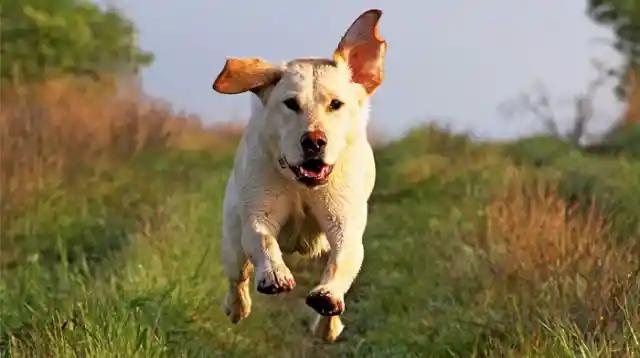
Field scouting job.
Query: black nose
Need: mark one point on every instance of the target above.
(313, 142)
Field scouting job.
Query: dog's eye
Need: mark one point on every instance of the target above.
(292, 104)
(335, 104)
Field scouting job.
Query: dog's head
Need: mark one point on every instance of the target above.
(316, 107)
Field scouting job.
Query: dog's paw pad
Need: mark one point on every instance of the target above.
(278, 280)
(326, 304)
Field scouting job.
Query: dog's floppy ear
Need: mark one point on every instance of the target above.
(363, 50)
(246, 74)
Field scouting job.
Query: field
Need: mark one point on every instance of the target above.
(111, 219)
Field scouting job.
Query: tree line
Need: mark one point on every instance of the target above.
(47, 38)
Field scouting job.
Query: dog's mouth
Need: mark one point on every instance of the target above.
(312, 172)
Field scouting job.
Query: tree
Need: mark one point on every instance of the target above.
(539, 106)
(623, 16)
(43, 38)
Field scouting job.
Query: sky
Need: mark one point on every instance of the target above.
(451, 61)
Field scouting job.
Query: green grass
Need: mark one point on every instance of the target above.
(127, 264)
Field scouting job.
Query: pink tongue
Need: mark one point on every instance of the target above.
(314, 174)
(323, 171)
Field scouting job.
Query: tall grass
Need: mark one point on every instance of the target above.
(111, 213)
(67, 133)
(558, 267)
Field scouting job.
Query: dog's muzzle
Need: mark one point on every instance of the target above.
(311, 172)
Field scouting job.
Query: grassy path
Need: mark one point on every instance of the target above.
(423, 291)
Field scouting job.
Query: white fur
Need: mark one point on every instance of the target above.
(268, 213)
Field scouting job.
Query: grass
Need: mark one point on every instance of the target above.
(111, 220)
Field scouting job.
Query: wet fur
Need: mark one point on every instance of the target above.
(267, 212)
(302, 234)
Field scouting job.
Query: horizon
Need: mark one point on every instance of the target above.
(418, 88)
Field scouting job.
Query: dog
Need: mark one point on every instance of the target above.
(303, 172)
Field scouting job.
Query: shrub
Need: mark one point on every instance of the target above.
(548, 263)
(71, 138)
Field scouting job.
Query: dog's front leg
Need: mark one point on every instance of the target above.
(344, 230)
(272, 276)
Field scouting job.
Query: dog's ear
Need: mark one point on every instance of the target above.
(363, 50)
(246, 74)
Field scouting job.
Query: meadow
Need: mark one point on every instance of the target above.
(111, 213)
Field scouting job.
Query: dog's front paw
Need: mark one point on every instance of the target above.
(274, 280)
(326, 303)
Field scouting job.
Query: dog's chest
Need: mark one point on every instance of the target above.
(301, 232)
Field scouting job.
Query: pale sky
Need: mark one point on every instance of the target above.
(454, 60)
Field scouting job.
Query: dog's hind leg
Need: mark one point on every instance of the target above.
(327, 328)
(237, 267)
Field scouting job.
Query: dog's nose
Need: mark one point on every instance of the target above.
(313, 142)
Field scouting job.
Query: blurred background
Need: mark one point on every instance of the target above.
(448, 61)
(513, 179)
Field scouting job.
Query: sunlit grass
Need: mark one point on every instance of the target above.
(111, 221)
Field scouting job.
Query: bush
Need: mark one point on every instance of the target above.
(547, 263)
(539, 150)
(65, 144)
(623, 141)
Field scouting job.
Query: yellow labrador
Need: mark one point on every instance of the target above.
(303, 172)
